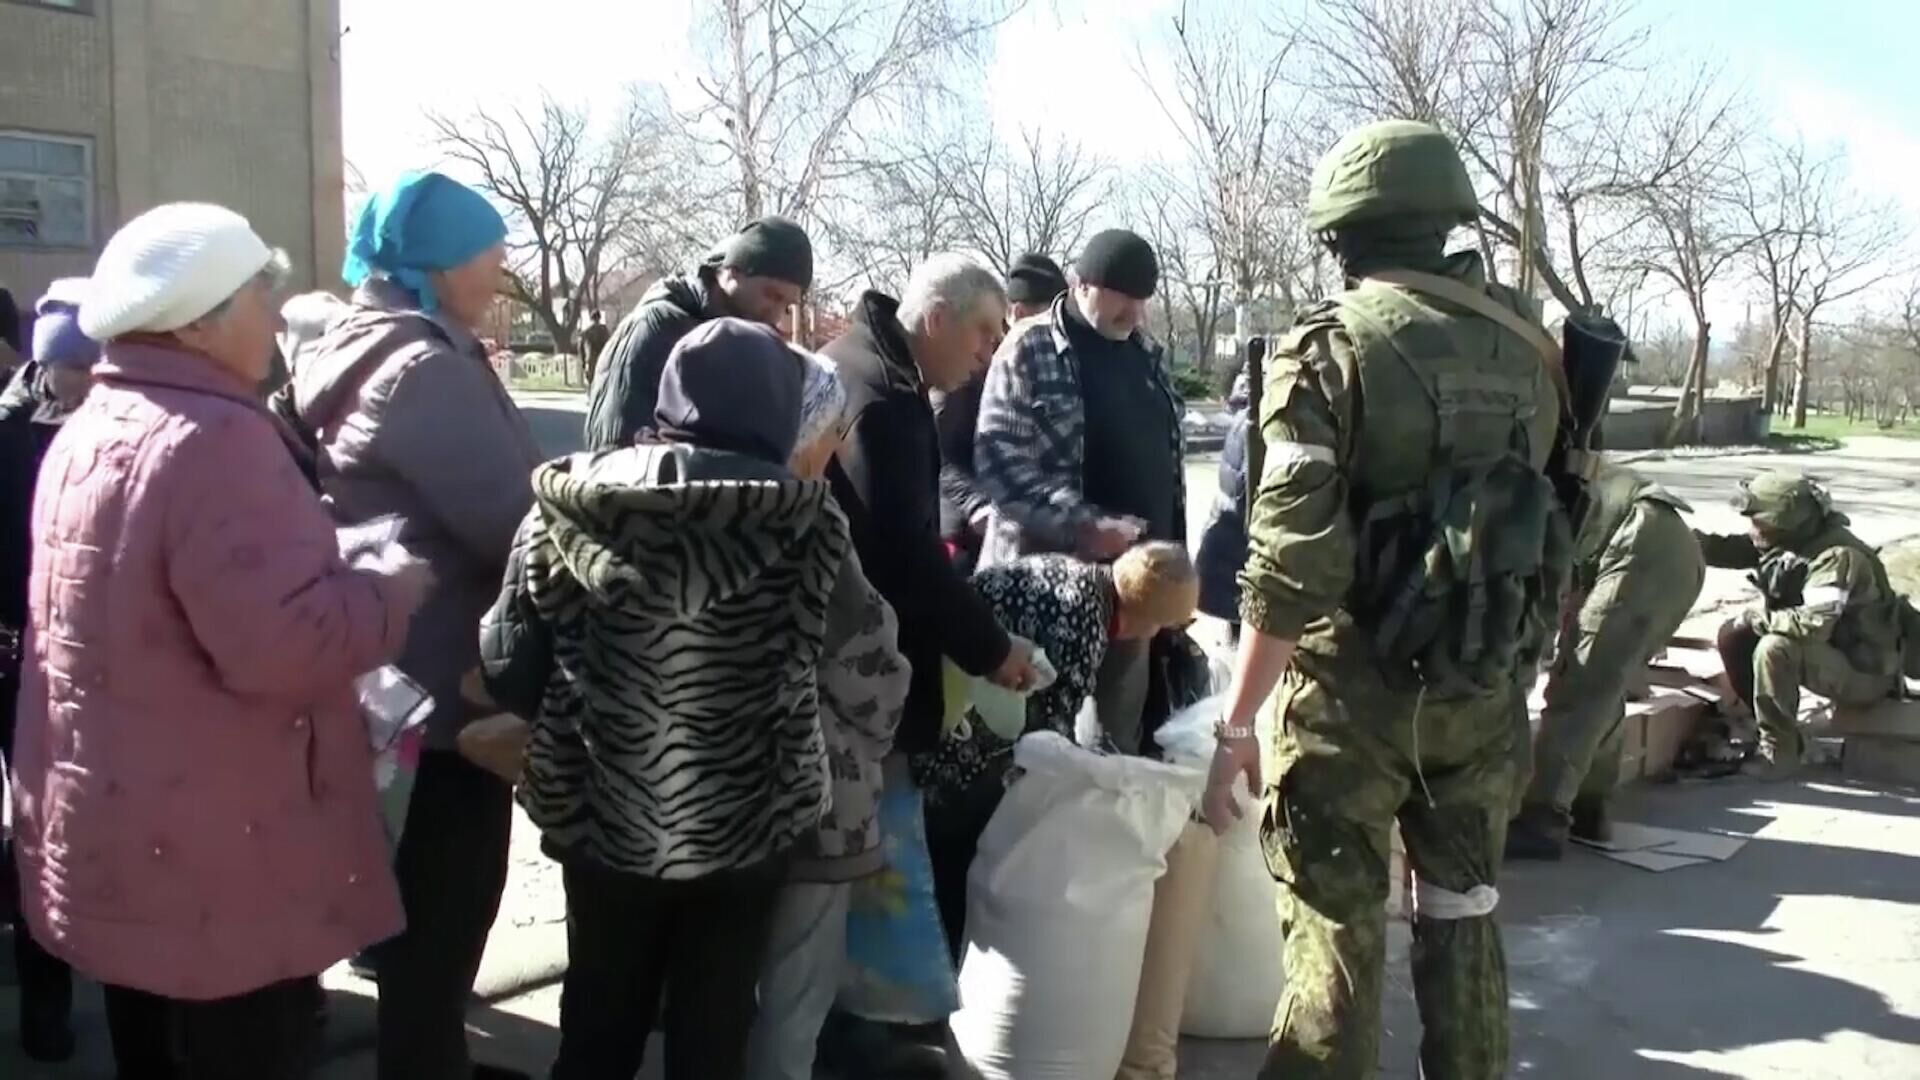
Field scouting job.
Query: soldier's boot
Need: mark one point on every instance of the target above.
(1538, 833)
(1591, 822)
(1778, 758)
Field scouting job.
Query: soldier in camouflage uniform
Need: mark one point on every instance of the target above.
(1404, 426)
(1830, 620)
(1637, 572)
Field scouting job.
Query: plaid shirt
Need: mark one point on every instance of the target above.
(1029, 449)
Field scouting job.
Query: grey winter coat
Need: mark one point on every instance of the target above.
(409, 419)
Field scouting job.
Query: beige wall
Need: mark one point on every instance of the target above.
(228, 101)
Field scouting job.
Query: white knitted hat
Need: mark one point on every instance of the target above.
(170, 266)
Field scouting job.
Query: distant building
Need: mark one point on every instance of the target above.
(110, 107)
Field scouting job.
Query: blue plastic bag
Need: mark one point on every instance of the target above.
(898, 969)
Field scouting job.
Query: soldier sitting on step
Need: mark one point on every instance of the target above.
(1830, 622)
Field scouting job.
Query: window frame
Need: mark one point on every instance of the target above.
(75, 7)
(89, 194)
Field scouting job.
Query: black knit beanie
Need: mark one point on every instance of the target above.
(1035, 279)
(1120, 260)
(771, 246)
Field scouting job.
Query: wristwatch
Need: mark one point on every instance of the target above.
(1223, 732)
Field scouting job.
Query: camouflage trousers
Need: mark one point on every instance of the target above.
(1350, 759)
(1782, 665)
(1647, 581)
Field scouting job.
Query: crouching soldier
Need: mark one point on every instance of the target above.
(1831, 620)
(1637, 571)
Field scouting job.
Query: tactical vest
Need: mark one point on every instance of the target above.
(1463, 548)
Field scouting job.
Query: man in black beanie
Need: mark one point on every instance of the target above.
(1034, 282)
(756, 274)
(1079, 442)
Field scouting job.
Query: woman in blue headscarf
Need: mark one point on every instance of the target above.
(407, 420)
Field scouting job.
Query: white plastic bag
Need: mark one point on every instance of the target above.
(1004, 711)
(1058, 905)
(1237, 973)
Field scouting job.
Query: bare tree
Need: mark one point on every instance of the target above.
(1774, 192)
(582, 204)
(1689, 229)
(1551, 105)
(1192, 295)
(1236, 114)
(788, 83)
(1847, 253)
(900, 212)
(1036, 196)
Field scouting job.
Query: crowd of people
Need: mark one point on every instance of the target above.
(716, 639)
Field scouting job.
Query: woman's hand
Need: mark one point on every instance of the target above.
(1233, 758)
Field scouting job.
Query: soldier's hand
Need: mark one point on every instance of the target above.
(1232, 760)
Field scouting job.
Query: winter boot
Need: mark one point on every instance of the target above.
(1591, 822)
(1538, 833)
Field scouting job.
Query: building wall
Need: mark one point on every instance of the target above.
(229, 101)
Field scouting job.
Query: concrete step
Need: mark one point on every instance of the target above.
(1893, 719)
(1882, 759)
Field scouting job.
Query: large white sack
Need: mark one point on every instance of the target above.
(1058, 904)
(1237, 971)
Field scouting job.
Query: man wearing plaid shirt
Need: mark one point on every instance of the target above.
(1079, 444)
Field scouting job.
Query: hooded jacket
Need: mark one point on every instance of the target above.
(661, 624)
(626, 379)
(863, 687)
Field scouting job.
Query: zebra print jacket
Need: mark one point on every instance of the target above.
(660, 625)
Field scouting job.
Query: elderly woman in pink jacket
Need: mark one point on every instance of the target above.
(197, 820)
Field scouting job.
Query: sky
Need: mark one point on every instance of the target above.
(1841, 71)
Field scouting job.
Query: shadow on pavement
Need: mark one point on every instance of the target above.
(1795, 940)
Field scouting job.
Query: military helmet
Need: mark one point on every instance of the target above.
(1783, 502)
(1388, 169)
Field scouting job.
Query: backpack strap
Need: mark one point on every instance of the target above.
(1478, 302)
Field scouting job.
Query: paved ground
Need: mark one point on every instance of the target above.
(1798, 958)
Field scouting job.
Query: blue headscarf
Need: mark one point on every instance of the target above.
(422, 223)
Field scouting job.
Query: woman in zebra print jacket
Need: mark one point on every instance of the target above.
(661, 624)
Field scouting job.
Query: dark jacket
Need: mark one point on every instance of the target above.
(626, 377)
(1223, 546)
(887, 479)
(28, 424)
(961, 497)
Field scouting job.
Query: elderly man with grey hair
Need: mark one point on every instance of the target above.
(886, 478)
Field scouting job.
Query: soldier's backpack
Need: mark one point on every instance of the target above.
(1909, 637)
(1460, 582)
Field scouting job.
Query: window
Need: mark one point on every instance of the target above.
(46, 191)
